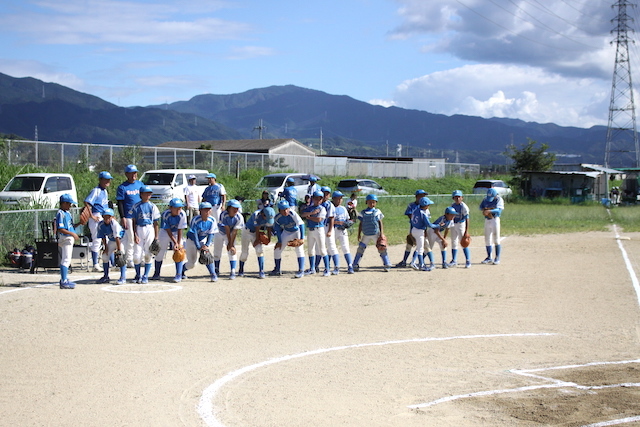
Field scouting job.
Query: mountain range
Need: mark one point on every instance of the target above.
(345, 125)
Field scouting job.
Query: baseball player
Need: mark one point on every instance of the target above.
(287, 226)
(144, 216)
(192, 198)
(370, 228)
(290, 194)
(215, 194)
(200, 237)
(408, 212)
(97, 201)
(261, 219)
(420, 223)
(173, 222)
(492, 207)
(341, 223)
(111, 234)
(313, 187)
(230, 222)
(315, 215)
(434, 234)
(460, 229)
(330, 237)
(127, 195)
(66, 234)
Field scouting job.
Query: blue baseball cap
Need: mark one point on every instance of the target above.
(130, 168)
(451, 211)
(234, 203)
(269, 214)
(371, 197)
(290, 179)
(325, 189)
(418, 192)
(456, 193)
(211, 175)
(283, 204)
(425, 201)
(313, 178)
(337, 194)
(146, 189)
(176, 203)
(317, 194)
(105, 175)
(108, 211)
(67, 198)
(205, 205)
(491, 194)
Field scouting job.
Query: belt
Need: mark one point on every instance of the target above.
(314, 228)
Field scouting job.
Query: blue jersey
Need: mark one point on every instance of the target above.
(64, 221)
(290, 194)
(128, 193)
(110, 231)
(442, 223)
(496, 205)
(462, 212)
(369, 219)
(202, 231)
(144, 213)
(341, 214)
(331, 211)
(420, 219)
(173, 222)
(319, 212)
(98, 198)
(213, 194)
(288, 223)
(230, 222)
(256, 221)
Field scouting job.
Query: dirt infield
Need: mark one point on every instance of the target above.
(549, 337)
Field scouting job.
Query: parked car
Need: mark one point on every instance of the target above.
(38, 189)
(360, 186)
(481, 187)
(275, 183)
(169, 183)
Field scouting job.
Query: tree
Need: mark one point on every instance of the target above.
(528, 158)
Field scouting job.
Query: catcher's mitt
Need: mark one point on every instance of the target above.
(205, 257)
(465, 241)
(85, 214)
(263, 238)
(411, 240)
(179, 255)
(381, 243)
(154, 248)
(295, 242)
(487, 213)
(120, 258)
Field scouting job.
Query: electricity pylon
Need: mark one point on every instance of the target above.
(622, 136)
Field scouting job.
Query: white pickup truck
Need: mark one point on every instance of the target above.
(38, 190)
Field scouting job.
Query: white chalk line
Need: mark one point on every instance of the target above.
(554, 383)
(25, 288)
(614, 422)
(206, 408)
(627, 263)
(120, 288)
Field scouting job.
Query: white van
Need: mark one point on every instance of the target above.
(169, 183)
(38, 190)
(276, 182)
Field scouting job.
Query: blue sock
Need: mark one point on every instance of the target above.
(498, 250)
(105, 268)
(415, 257)
(242, 267)
(385, 259)
(94, 257)
(444, 256)
(260, 263)
(406, 256)
(327, 264)
(179, 269)
(454, 255)
(317, 264)
(147, 269)
(158, 267)
(347, 257)
(312, 262)
(430, 256)
(420, 260)
(336, 260)
(64, 272)
(467, 253)
(217, 264)
(278, 264)
(137, 268)
(488, 251)
(123, 272)
(211, 269)
(301, 263)
(232, 264)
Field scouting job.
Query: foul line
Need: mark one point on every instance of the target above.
(205, 406)
(118, 288)
(627, 263)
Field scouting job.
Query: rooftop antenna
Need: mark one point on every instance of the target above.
(622, 136)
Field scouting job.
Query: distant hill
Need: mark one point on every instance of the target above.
(63, 114)
(350, 126)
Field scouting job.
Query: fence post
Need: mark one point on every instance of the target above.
(62, 157)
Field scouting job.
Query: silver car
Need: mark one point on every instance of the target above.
(483, 185)
(360, 186)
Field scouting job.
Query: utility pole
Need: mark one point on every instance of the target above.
(260, 128)
(622, 136)
(321, 141)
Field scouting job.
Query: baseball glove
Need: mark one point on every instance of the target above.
(263, 238)
(411, 240)
(205, 257)
(85, 214)
(381, 243)
(465, 241)
(179, 255)
(487, 213)
(295, 242)
(154, 248)
(120, 258)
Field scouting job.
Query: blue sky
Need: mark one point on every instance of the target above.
(537, 60)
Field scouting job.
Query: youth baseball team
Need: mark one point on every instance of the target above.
(210, 223)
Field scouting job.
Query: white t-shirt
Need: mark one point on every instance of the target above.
(192, 192)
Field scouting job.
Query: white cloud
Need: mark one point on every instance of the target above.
(249, 52)
(382, 102)
(527, 93)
